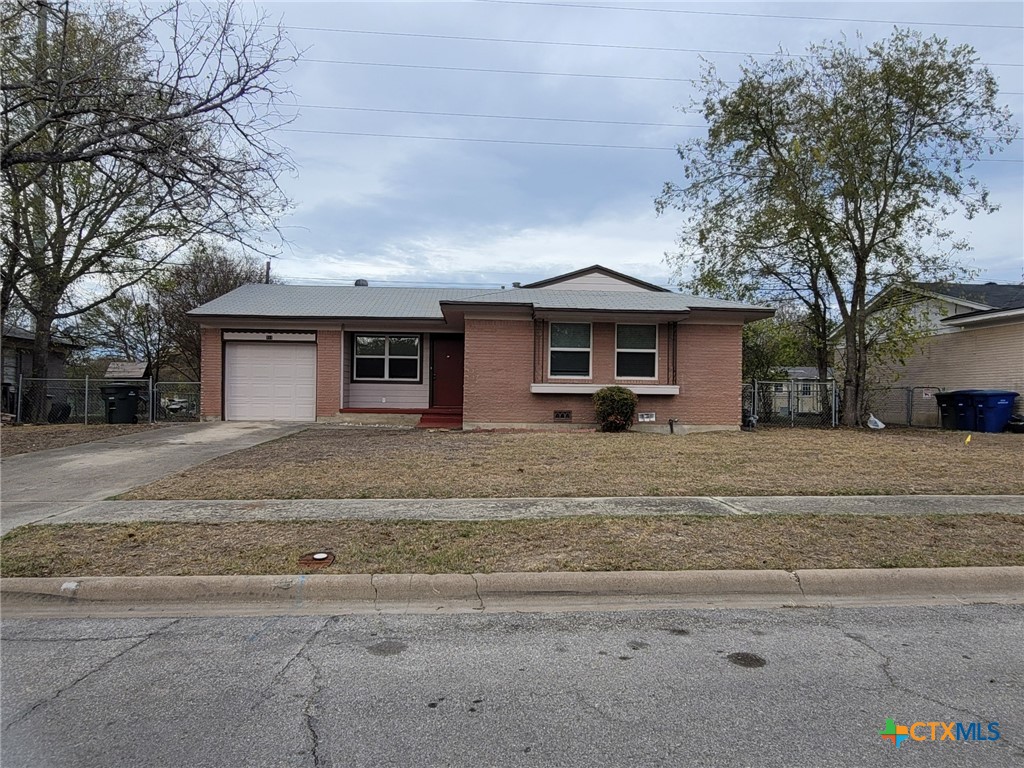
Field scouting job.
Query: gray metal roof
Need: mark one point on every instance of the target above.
(604, 301)
(332, 301)
(303, 301)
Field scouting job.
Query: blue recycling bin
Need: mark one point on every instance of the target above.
(992, 409)
(964, 412)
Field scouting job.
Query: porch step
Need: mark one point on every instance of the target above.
(440, 421)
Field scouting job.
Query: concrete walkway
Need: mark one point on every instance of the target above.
(510, 509)
(45, 483)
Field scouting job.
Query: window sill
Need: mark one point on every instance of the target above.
(589, 389)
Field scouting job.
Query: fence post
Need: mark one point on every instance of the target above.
(835, 403)
(21, 385)
(87, 399)
(753, 407)
(152, 405)
(910, 407)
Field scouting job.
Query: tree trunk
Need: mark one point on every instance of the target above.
(36, 399)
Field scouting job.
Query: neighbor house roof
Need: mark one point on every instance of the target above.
(993, 295)
(22, 334)
(596, 269)
(301, 301)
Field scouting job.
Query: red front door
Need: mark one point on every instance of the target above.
(447, 358)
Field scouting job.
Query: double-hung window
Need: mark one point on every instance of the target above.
(570, 350)
(636, 351)
(386, 357)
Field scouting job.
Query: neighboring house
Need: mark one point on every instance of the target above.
(527, 357)
(801, 393)
(975, 337)
(17, 361)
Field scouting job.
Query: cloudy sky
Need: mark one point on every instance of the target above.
(480, 143)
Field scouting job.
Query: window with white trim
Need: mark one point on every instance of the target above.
(386, 357)
(569, 356)
(636, 351)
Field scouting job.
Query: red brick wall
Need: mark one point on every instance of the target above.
(710, 369)
(211, 369)
(328, 372)
(500, 365)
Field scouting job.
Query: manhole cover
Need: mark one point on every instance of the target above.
(316, 559)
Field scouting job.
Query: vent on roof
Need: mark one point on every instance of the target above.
(361, 283)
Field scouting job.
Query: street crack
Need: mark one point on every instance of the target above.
(98, 668)
(476, 587)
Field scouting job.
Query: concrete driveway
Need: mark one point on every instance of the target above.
(40, 485)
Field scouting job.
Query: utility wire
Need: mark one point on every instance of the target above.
(521, 141)
(751, 15)
(502, 71)
(570, 44)
(501, 117)
(476, 140)
(533, 72)
(520, 117)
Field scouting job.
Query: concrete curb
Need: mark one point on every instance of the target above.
(422, 593)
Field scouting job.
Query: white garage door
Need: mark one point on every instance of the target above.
(269, 382)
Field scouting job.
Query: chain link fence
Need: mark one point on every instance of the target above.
(791, 404)
(176, 401)
(97, 401)
(904, 406)
(818, 404)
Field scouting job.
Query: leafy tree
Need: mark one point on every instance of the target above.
(125, 136)
(833, 174)
(208, 271)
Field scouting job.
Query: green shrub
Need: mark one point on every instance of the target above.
(615, 408)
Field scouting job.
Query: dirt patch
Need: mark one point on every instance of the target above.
(573, 544)
(27, 438)
(340, 463)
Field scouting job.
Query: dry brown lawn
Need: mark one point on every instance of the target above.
(26, 438)
(334, 462)
(570, 544)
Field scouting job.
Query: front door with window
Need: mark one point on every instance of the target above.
(447, 362)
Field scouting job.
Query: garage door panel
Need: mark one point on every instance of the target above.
(269, 382)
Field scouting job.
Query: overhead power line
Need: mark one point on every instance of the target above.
(485, 70)
(691, 12)
(522, 141)
(503, 117)
(474, 140)
(538, 118)
(503, 71)
(570, 44)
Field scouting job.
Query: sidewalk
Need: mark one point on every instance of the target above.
(499, 509)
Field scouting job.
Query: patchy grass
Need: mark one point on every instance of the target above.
(27, 438)
(567, 544)
(333, 463)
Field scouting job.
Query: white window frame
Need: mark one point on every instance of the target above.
(589, 350)
(618, 349)
(387, 357)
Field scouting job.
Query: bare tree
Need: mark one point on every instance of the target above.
(126, 136)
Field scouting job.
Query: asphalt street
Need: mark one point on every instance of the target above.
(783, 687)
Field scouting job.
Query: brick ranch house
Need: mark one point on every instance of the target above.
(528, 357)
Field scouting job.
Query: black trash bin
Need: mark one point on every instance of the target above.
(122, 401)
(947, 414)
(964, 409)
